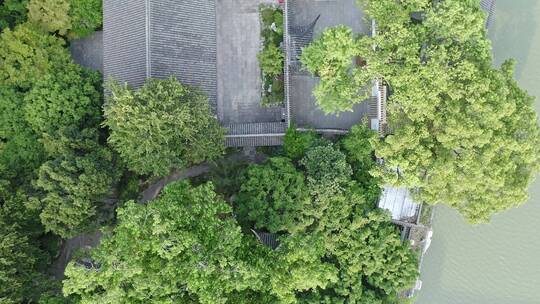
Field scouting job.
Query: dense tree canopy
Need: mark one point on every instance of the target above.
(12, 12)
(21, 260)
(72, 18)
(50, 15)
(274, 195)
(326, 169)
(163, 125)
(18, 266)
(75, 181)
(41, 92)
(357, 145)
(464, 133)
(184, 246)
(69, 97)
(86, 16)
(342, 249)
(27, 54)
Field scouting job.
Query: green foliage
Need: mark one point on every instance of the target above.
(71, 18)
(74, 182)
(185, 245)
(327, 169)
(296, 143)
(299, 267)
(465, 134)
(332, 248)
(272, 25)
(273, 91)
(50, 15)
(357, 145)
(370, 250)
(273, 196)
(225, 174)
(162, 126)
(86, 16)
(18, 266)
(271, 60)
(330, 57)
(69, 97)
(21, 260)
(26, 55)
(12, 12)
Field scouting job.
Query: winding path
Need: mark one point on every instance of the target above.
(92, 239)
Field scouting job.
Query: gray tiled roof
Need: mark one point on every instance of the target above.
(124, 41)
(144, 38)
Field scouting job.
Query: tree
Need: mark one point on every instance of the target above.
(273, 196)
(86, 16)
(330, 57)
(26, 54)
(298, 266)
(184, 246)
(372, 262)
(326, 169)
(163, 125)
(19, 261)
(20, 150)
(378, 259)
(50, 15)
(12, 12)
(69, 97)
(74, 182)
(357, 145)
(464, 133)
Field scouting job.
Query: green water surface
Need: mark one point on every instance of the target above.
(497, 263)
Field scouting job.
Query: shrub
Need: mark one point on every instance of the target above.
(271, 60)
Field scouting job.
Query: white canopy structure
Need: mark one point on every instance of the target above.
(400, 203)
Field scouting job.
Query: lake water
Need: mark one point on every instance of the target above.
(497, 263)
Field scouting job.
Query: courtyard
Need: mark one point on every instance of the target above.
(304, 111)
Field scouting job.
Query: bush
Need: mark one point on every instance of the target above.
(271, 60)
(274, 93)
(273, 195)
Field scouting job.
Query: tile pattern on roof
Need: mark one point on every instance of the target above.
(124, 41)
(183, 43)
